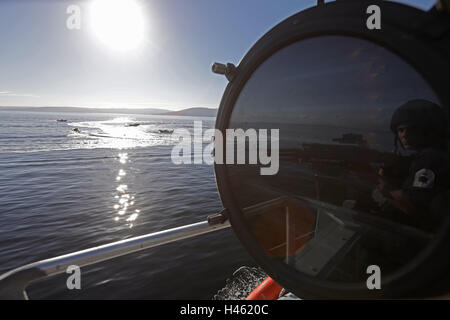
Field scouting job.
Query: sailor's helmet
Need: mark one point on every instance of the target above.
(422, 114)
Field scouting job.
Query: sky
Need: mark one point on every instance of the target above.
(164, 61)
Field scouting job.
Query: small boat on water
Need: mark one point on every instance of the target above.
(132, 124)
(61, 120)
(165, 131)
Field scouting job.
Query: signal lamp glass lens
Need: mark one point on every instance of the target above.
(362, 159)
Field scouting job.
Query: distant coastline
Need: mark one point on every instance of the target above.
(192, 112)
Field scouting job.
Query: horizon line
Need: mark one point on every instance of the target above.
(128, 108)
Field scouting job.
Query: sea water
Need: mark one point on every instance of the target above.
(62, 191)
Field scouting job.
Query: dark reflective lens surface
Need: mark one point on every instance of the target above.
(362, 174)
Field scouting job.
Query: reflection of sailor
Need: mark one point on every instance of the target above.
(406, 189)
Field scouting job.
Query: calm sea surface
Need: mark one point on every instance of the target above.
(62, 191)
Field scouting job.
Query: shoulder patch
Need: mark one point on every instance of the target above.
(424, 178)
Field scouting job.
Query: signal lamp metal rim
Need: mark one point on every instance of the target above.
(415, 36)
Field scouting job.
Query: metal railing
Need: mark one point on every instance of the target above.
(13, 284)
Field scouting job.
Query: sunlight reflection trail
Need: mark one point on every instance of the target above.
(124, 200)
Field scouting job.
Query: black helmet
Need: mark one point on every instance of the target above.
(423, 114)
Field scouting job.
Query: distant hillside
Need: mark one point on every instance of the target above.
(86, 110)
(194, 112)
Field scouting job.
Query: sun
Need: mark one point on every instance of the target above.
(119, 24)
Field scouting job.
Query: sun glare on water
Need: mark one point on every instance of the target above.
(119, 24)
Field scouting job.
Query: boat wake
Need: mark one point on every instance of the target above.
(122, 132)
(241, 284)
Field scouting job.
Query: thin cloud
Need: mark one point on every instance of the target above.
(12, 94)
